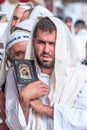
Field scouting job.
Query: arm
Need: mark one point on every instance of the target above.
(65, 117)
(41, 108)
(30, 92)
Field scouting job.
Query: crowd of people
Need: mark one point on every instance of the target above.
(57, 100)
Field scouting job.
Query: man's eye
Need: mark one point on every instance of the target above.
(15, 18)
(19, 53)
(41, 42)
(51, 43)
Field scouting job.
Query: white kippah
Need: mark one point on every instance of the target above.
(17, 36)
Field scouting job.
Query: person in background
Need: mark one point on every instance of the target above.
(68, 22)
(46, 103)
(37, 11)
(16, 18)
(3, 125)
(18, 13)
(16, 45)
(3, 17)
(80, 38)
(26, 14)
(84, 60)
(79, 25)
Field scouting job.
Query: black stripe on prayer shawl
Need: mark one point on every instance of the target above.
(16, 38)
(22, 29)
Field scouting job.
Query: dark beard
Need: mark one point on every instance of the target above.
(44, 64)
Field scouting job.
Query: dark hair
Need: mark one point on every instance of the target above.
(45, 24)
(80, 23)
(68, 19)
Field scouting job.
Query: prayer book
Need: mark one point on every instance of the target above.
(24, 71)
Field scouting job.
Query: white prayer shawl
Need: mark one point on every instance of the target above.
(2, 70)
(37, 12)
(68, 74)
(81, 39)
(25, 6)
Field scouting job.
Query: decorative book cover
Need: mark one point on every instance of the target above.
(25, 71)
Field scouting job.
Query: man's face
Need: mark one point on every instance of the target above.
(44, 46)
(18, 50)
(69, 25)
(26, 15)
(17, 17)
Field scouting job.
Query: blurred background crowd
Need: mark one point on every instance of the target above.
(75, 9)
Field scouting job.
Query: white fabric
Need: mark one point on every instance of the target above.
(81, 39)
(65, 85)
(3, 27)
(2, 64)
(68, 73)
(67, 118)
(16, 36)
(2, 70)
(64, 115)
(25, 6)
(2, 13)
(37, 13)
(12, 104)
(40, 11)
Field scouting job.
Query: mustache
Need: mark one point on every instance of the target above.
(47, 54)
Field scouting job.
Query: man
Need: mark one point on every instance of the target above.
(3, 125)
(80, 38)
(16, 45)
(18, 13)
(16, 18)
(79, 25)
(68, 22)
(58, 100)
(37, 11)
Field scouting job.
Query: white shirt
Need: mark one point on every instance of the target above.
(81, 39)
(65, 118)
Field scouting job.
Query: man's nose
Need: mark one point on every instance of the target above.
(46, 47)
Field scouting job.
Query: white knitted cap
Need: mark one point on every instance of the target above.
(17, 36)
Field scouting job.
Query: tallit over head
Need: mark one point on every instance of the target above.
(25, 6)
(68, 73)
(38, 12)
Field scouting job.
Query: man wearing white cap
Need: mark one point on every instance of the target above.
(16, 44)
